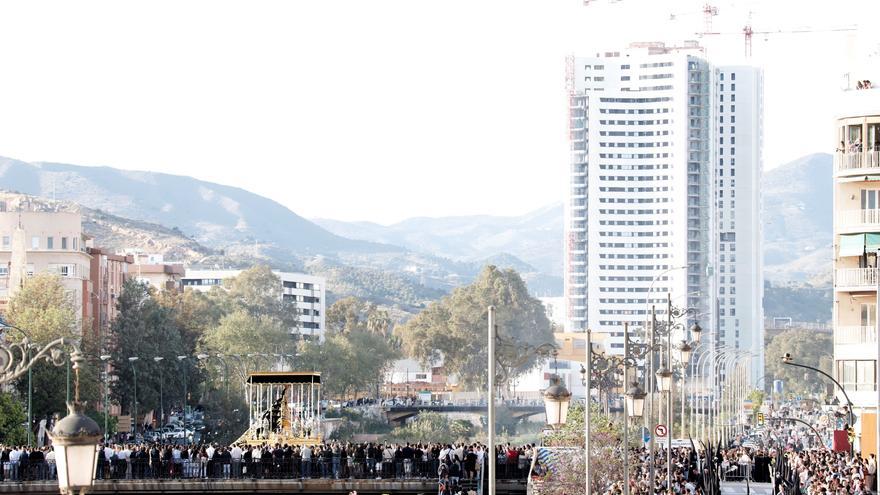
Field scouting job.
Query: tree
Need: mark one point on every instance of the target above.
(258, 291)
(806, 347)
(349, 363)
(45, 311)
(454, 330)
(242, 333)
(12, 417)
(433, 427)
(145, 329)
(352, 314)
(194, 313)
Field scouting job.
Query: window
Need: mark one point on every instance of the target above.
(732, 87)
(856, 375)
(869, 314)
(4, 271)
(64, 243)
(74, 244)
(421, 376)
(6, 242)
(50, 242)
(733, 76)
(35, 242)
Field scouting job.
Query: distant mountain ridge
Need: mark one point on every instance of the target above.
(798, 221)
(534, 238)
(211, 213)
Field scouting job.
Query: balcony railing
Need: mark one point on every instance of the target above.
(857, 218)
(855, 335)
(856, 277)
(856, 160)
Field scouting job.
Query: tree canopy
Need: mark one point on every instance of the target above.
(454, 329)
(806, 347)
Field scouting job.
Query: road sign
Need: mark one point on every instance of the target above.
(760, 419)
(660, 430)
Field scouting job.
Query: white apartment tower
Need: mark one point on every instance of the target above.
(664, 193)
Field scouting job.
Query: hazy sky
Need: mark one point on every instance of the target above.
(372, 110)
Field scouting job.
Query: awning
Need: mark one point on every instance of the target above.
(872, 243)
(852, 244)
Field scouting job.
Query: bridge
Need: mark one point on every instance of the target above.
(318, 486)
(398, 414)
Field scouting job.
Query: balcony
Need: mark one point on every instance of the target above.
(859, 220)
(857, 163)
(855, 335)
(855, 279)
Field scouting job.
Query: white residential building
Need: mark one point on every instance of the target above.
(856, 244)
(308, 291)
(664, 193)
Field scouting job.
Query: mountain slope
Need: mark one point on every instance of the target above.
(213, 214)
(534, 238)
(798, 222)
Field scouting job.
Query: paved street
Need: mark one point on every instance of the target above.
(751, 489)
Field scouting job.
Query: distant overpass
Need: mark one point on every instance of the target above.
(398, 414)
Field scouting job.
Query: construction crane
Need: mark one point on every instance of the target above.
(748, 31)
(708, 12)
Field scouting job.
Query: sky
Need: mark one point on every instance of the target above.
(375, 110)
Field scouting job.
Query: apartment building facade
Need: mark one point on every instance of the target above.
(664, 178)
(34, 242)
(107, 272)
(307, 291)
(856, 246)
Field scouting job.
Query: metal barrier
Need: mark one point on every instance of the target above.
(268, 467)
(737, 472)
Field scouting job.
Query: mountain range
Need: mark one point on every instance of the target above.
(218, 225)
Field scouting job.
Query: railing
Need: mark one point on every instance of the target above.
(856, 277)
(856, 160)
(855, 335)
(854, 218)
(266, 467)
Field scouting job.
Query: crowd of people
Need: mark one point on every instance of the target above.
(453, 465)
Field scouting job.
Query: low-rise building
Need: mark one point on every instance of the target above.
(48, 242)
(307, 291)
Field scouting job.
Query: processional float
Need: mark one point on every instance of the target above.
(284, 408)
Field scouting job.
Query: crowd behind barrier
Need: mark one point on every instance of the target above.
(457, 464)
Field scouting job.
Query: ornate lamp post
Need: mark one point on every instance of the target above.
(75, 438)
(158, 360)
(105, 358)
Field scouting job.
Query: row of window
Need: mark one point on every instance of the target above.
(302, 299)
(634, 223)
(634, 200)
(634, 155)
(299, 285)
(658, 144)
(634, 122)
(663, 166)
(68, 270)
(633, 111)
(634, 178)
(63, 243)
(621, 256)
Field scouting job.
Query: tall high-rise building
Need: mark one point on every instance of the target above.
(664, 193)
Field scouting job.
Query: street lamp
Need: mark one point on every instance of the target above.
(74, 439)
(134, 371)
(158, 360)
(556, 402)
(182, 360)
(789, 360)
(664, 377)
(105, 358)
(635, 401)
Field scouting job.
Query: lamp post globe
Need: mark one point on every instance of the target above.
(664, 377)
(696, 332)
(556, 402)
(635, 401)
(75, 438)
(684, 352)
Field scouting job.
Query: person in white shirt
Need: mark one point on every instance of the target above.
(210, 451)
(50, 461)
